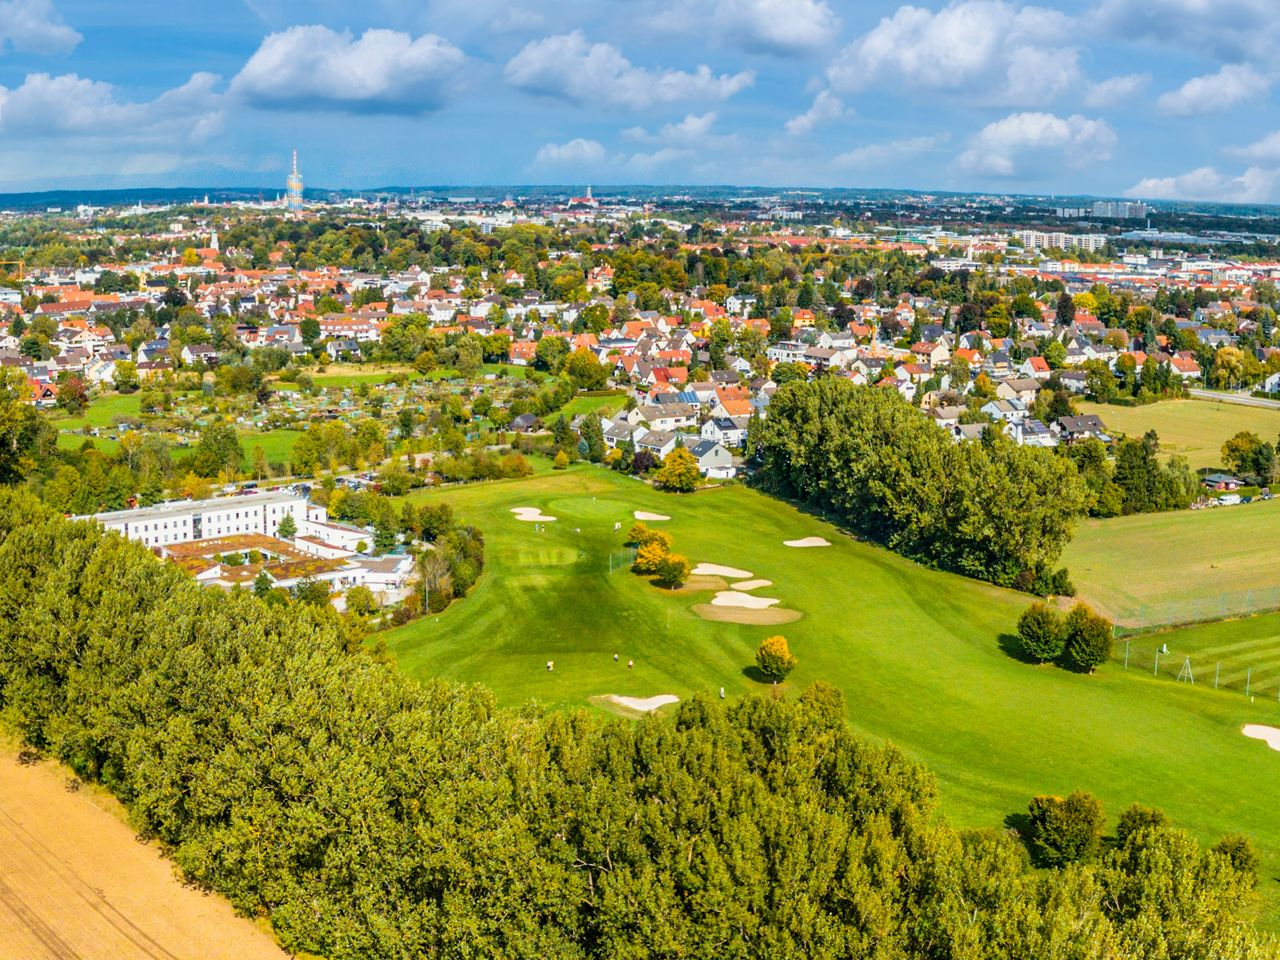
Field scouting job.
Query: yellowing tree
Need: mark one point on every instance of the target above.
(774, 657)
(679, 472)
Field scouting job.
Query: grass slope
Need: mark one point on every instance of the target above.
(1181, 567)
(1195, 429)
(102, 412)
(915, 651)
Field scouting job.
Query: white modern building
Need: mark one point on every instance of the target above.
(187, 520)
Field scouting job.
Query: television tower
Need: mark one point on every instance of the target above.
(293, 198)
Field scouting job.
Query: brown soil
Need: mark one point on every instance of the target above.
(767, 617)
(76, 884)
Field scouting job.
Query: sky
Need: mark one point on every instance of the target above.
(1159, 99)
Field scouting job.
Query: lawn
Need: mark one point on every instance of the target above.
(605, 406)
(74, 441)
(917, 653)
(1195, 429)
(278, 445)
(102, 411)
(1180, 567)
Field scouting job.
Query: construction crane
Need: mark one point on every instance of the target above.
(20, 264)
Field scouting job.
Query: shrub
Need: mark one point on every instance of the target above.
(561, 461)
(1066, 830)
(1242, 854)
(650, 555)
(1138, 817)
(1042, 632)
(774, 658)
(1088, 639)
(673, 570)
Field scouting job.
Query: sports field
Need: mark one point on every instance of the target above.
(1180, 567)
(918, 654)
(1195, 429)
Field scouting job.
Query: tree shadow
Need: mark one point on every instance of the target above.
(756, 675)
(1019, 823)
(1011, 644)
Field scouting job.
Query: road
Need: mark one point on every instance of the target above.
(1242, 399)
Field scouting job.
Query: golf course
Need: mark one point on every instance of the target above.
(925, 659)
(1195, 429)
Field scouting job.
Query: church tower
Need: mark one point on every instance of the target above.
(293, 197)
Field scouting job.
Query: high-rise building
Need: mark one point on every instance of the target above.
(293, 198)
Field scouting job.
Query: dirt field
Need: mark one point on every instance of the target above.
(76, 884)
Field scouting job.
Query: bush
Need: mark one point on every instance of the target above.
(1088, 640)
(1138, 817)
(561, 461)
(673, 570)
(1066, 831)
(774, 658)
(1042, 632)
(650, 555)
(1242, 854)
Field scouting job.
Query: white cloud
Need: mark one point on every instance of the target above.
(34, 26)
(825, 108)
(1116, 90)
(570, 67)
(577, 152)
(1255, 185)
(649, 162)
(1010, 54)
(1008, 147)
(782, 27)
(1268, 148)
(384, 71)
(1230, 30)
(877, 155)
(46, 105)
(1214, 92)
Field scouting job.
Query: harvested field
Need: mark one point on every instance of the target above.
(76, 884)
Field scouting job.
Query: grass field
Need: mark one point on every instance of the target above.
(1195, 429)
(73, 441)
(278, 445)
(102, 411)
(1181, 567)
(605, 406)
(917, 652)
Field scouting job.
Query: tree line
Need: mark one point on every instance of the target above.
(366, 815)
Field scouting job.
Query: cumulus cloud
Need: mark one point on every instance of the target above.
(825, 108)
(1255, 185)
(45, 105)
(1007, 147)
(384, 71)
(876, 155)
(1266, 149)
(577, 152)
(1012, 54)
(783, 27)
(569, 67)
(1230, 30)
(34, 26)
(1212, 93)
(647, 163)
(1116, 90)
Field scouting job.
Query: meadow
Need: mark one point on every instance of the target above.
(924, 658)
(1186, 566)
(1195, 429)
(277, 444)
(101, 412)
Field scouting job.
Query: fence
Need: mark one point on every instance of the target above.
(1250, 667)
(1142, 618)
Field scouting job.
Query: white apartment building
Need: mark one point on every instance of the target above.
(187, 520)
(1035, 240)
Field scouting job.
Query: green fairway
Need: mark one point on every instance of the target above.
(917, 653)
(1195, 429)
(1240, 655)
(1181, 567)
(101, 412)
(278, 445)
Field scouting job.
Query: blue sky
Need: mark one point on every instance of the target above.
(1152, 98)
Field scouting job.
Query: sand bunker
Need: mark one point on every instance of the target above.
(732, 598)
(1268, 735)
(633, 708)
(806, 542)
(752, 584)
(716, 570)
(531, 515)
(642, 515)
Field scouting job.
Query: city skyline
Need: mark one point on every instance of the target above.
(1164, 100)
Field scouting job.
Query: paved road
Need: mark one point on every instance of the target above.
(1243, 399)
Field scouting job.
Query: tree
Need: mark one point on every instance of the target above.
(1241, 854)
(593, 437)
(787, 371)
(73, 395)
(561, 461)
(1066, 830)
(312, 592)
(1088, 640)
(673, 570)
(650, 554)
(125, 376)
(360, 601)
(262, 584)
(1066, 310)
(309, 328)
(679, 472)
(585, 371)
(1041, 630)
(549, 354)
(1241, 453)
(774, 658)
(218, 451)
(1136, 818)
(287, 528)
